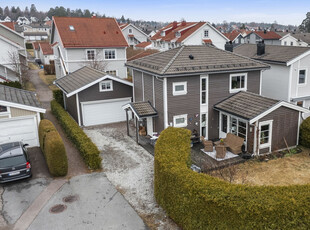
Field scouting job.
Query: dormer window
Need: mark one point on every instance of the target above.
(71, 28)
(162, 33)
(177, 34)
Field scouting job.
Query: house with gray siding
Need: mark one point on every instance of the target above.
(269, 37)
(185, 86)
(94, 42)
(93, 97)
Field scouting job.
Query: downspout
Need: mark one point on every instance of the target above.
(165, 100)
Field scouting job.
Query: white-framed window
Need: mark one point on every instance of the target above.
(300, 103)
(130, 31)
(109, 54)
(285, 43)
(292, 43)
(206, 33)
(238, 82)
(302, 73)
(106, 85)
(179, 88)
(4, 110)
(111, 72)
(90, 54)
(265, 134)
(177, 34)
(204, 87)
(180, 120)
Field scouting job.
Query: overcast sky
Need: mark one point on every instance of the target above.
(283, 11)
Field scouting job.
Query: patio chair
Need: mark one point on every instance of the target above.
(233, 143)
(208, 145)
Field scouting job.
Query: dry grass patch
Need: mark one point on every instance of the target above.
(29, 86)
(32, 65)
(31, 52)
(48, 80)
(289, 170)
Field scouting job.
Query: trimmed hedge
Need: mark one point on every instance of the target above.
(14, 84)
(53, 149)
(305, 133)
(87, 148)
(199, 201)
(58, 96)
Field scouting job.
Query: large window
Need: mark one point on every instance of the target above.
(90, 54)
(111, 72)
(179, 88)
(204, 91)
(238, 82)
(237, 126)
(109, 54)
(265, 134)
(106, 85)
(302, 76)
(180, 120)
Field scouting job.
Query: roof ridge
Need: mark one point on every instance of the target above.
(172, 60)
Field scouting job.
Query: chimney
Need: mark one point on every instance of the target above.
(94, 16)
(174, 25)
(260, 48)
(229, 46)
(265, 31)
(183, 23)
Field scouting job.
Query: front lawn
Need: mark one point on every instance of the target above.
(294, 169)
(48, 80)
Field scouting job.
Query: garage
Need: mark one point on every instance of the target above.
(23, 129)
(104, 112)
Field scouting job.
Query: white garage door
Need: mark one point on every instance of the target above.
(23, 129)
(104, 112)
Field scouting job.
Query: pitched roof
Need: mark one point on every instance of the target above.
(185, 29)
(19, 96)
(194, 59)
(82, 79)
(142, 109)
(273, 53)
(268, 35)
(35, 45)
(232, 35)
(46, 48)
(89, 32)
(143, 54)
(143, 44)
(245, 104)
(282, 34)
(305, 37)
(123, 25)
(9, 25)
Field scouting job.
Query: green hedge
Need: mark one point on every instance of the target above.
(29, 46)
(87, 148)
(58, 96)
(199, 201)
(53, 149)
(305, 133)
(14, 84)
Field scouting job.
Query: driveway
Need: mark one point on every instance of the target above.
(130, 168)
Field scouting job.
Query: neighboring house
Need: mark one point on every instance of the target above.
(19, 116)
(187, 33)
(23, 21)
(144, 45)
(187, 87)
(133, 34)
(9, 25)
(34, 19)
(47, 19)
(35, 36)
(93, 97)
(46, 53)
(269, 37)
(35, 46)
(37, 27)
(288, 78)
(6, 19)
(302, 39)
(88, 41)
(235, 37)
(12, 54)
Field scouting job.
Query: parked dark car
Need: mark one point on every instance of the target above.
(14, 162)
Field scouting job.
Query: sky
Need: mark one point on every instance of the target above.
(283, 11)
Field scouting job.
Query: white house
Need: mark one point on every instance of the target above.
(6, 19)
(45, 52)
(95, 42)
(288, 78)
(133, 34)
(301, 39)
(46, 19)
(12, 53)
(23, 21)
(176, 34)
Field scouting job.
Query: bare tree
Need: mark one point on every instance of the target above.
(18, 64)
(96, 61)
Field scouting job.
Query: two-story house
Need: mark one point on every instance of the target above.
(45, 52)
(269, 37)
(133, 34)
(235, 37)
(213, 92)
(12, 53)
(176, 34)
(287, 79)
(94, 42)
(293, 39)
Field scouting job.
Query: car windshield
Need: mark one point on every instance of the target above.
(12, 161)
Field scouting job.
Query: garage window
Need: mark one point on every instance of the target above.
(106, 86)
(3, 109)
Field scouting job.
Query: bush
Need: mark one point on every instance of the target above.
(14, 84)
(199, 201)
(29, 46)
(49, 69)
(305, 133)
(86, 147)
(55, 154)
(53, 149)
(58, 96)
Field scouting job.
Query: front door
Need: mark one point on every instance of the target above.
(223, 125)
(204, 99)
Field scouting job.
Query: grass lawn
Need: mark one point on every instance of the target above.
(48, 80)
(29, 86)
(31, 52)
(32, 65)
(294, 169)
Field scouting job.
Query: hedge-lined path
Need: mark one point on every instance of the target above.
(76, 165)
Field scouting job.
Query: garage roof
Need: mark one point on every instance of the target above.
(84, 78)
(20, 98)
